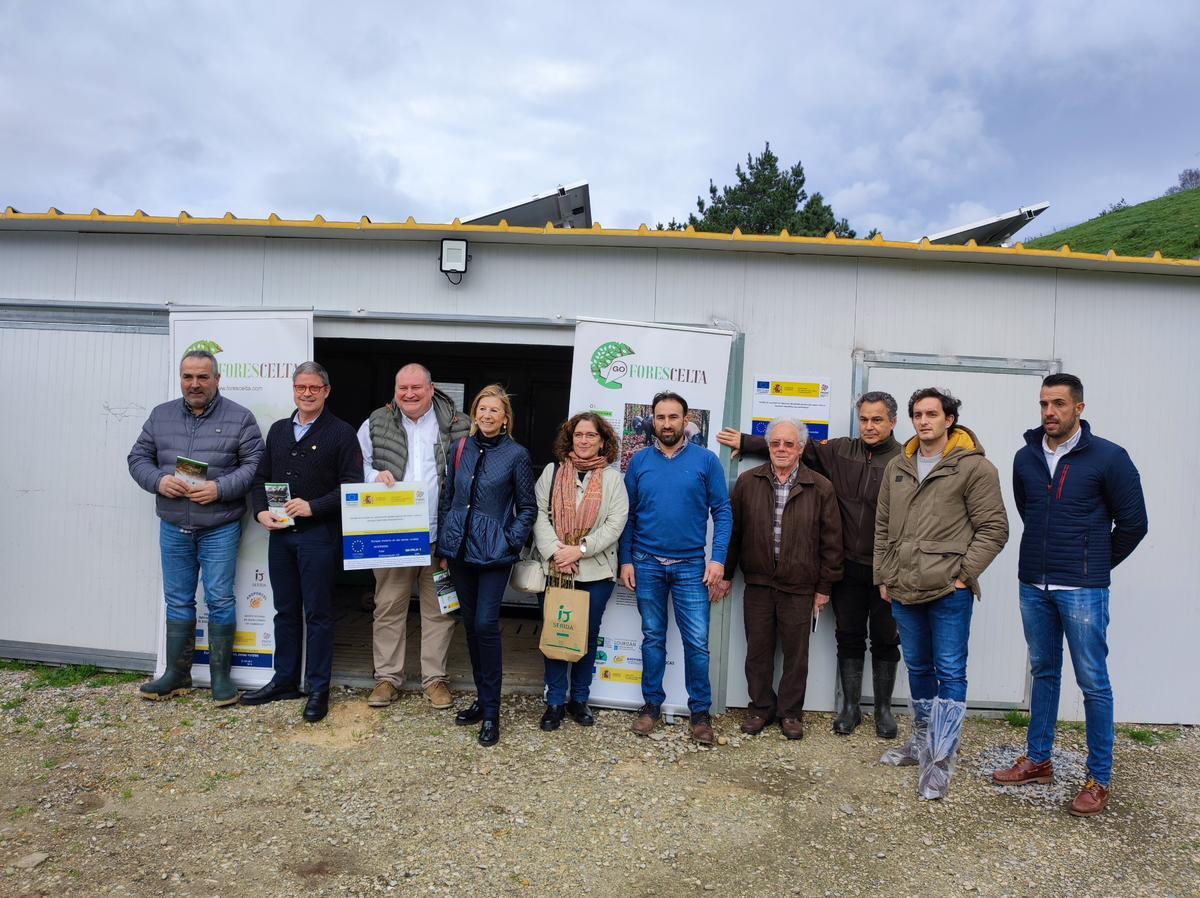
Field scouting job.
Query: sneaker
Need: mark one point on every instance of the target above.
(383, 694)
(1025, 771)
(702, 731)
(647, 719)
(439, 695)
(1091, 800)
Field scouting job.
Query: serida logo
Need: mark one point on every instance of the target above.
(608, 365)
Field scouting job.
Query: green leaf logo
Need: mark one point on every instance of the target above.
(607, 367)
(204, 346)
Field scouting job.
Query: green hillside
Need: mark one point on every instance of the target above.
(1169, 224)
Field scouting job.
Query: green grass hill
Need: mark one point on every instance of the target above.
(1169, 224)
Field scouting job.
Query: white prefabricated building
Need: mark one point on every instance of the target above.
(84, 303)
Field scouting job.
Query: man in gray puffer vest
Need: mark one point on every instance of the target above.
(409, 439)
(201, 524)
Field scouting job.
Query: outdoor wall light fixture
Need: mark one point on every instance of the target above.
(454, 259)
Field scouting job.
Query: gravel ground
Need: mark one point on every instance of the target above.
(102, 793)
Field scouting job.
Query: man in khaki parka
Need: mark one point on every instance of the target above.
(939, 523)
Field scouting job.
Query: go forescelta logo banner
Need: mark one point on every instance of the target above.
(607, 365)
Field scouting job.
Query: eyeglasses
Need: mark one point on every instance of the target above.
(302, 389)
(785, 444)
(587, 436)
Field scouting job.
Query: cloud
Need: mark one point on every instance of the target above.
(902, 115)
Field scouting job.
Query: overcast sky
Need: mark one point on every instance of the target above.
(909, 121)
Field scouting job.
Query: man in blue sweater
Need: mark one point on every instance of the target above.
(1080, 498)
(674, 486)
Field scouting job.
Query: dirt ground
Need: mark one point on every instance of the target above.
(102, 793)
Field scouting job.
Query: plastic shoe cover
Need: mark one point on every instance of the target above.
(906, 755)
(936, 755)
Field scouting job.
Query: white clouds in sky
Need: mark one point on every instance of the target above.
(904, 115)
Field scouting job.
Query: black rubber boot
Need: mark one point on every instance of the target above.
(883, 676)
(850, 672)
(220, 659)
(177, 678)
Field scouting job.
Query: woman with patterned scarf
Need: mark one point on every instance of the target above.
(582, 509)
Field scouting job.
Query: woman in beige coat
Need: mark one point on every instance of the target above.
(582, 509)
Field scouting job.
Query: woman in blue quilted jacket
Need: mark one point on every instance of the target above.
(485, 512)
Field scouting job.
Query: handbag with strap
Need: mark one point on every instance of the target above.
(527, 575)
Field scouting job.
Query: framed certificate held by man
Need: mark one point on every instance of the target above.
(384, 526)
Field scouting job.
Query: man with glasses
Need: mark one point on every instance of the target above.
(674, 486)
(314, 452)
(787, 536)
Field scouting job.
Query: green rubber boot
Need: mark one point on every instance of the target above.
(220, 658)
(177, 678)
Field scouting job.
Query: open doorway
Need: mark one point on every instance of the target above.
(362, 373)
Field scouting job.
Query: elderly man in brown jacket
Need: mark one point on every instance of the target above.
(787, 538)
(939, 523)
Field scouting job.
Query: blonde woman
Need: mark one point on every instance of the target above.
(582, 509)
(485, 513)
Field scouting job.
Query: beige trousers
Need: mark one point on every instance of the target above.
(393, 590)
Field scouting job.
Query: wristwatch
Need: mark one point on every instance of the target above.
(583, 547)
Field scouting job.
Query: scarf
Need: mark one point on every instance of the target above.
(571, 523)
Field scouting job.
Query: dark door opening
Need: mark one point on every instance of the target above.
(362, 374)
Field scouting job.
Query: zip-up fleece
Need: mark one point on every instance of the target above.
(949, 526)
(1084, 521)
(225, 436)
(810, 547)
(856, 470)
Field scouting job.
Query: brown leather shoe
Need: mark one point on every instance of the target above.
(755, 724)
(792, 727)
(702, 731)
(439, 695)
(647, 719)
(383, 694)
(1091, 800)
(1023, 772)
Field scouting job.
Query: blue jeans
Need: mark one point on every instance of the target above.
(187, 556)
(480, 592)
(933, 637)
(581, 670)
(1082, 616)
(689, 596)
(302, 566)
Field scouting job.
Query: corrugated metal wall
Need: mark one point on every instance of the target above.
(1127, 336)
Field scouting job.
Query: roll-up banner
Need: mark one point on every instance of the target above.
(617, 368)
(256, 352)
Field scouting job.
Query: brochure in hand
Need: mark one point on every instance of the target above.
(446, 593)
(278, 496)
(190, 471)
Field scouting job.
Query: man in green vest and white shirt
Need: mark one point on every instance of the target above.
(409, 439)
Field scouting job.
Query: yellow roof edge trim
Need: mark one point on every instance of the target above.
(185, 221)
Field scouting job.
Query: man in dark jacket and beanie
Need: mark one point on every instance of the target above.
(854, 465)
(787, 538)
(314, 452)
(1080, 498)
(201, 523)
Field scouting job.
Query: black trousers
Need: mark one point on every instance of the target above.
(302, 567)
(480, 592)
(857, 611)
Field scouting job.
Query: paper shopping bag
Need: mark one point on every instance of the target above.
(565, 624)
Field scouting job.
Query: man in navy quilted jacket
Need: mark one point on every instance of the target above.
(1080, 498)
(201, 522)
